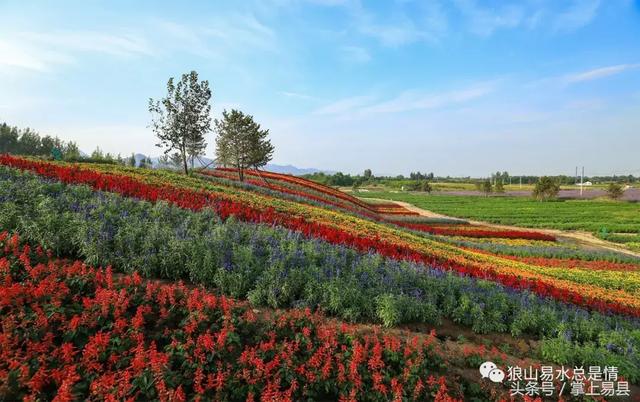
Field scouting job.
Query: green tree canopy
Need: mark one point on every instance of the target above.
(182, 119)
(615, 191)
(241, 142)
(546, 188)
(486, 187)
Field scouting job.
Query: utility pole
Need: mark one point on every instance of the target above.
(581, 181)
(521, 182)
(575, 178)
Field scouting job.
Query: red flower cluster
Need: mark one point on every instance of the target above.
(480, 233)
(72, 332)
(197, 200)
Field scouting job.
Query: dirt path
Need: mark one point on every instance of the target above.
(584, 238)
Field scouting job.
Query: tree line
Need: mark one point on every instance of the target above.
(26, 141)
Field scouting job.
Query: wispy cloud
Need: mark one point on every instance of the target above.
(428, 23)
(414, 100)
(355, 54)
(242, 30)
(545, 14)
(405, 102)
(27, 57)
(344, 105)
(598, 73)
(484, 21)
(297, 95)
(41, 52)
(233, 35)
(581, 13)
(122, 44)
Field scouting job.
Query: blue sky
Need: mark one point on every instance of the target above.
(458, 87)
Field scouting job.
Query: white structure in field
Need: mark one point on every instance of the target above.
(586, 183)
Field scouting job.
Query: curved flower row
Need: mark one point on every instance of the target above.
(336, 202)
(310, 189)
(594, 265)
(303, 182)
(581, 288)
(471, 231)
(73, 332)
(377, 211)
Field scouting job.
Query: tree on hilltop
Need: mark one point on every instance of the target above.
(182, 118)
(241, 142)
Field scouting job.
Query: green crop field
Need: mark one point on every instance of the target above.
(588, 215)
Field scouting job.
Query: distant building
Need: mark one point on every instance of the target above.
(586, 183)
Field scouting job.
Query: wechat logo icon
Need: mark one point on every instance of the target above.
(491, 371)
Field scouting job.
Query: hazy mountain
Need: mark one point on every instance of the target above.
(286, 169)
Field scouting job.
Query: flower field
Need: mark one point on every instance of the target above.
(578, 286)
(73, 332)
(295, 245)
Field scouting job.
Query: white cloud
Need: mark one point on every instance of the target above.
(581, 13)
(297, 95)
(116, 44)
(428, 23)
(363, 106)
(484, 21)
(28, 57)
(413, 100)
(355, 54)
(344, 105)
(41, 52)
(241, 32)
(543, 14)
(598, 73)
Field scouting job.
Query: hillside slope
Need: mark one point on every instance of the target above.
(285, 242)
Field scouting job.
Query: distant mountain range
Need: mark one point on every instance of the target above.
(285, 169)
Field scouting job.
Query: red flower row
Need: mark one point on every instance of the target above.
(566, 263)
(72, 332)
(456, 231)
(197, 200)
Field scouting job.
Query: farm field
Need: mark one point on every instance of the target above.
(588, 215)
(328, 265)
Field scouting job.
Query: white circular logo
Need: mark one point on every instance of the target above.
(485, 369)
(491, 371)
(496, 375)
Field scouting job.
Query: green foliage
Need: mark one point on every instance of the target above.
(614, 191)
(486, 187)
(241, 143)
(546, 188)
(182, 118)
(28, 142)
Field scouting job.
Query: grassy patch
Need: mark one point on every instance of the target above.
(588, 215)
